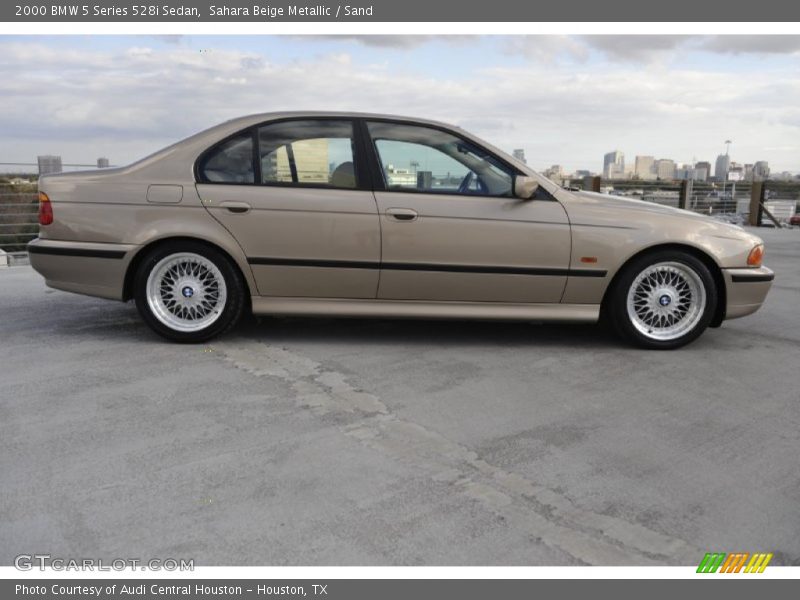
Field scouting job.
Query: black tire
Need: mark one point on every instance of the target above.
(616, 303)
(235, 301)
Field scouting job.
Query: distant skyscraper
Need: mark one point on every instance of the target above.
(691, 173)
(102, 163)
(628, 170)
(614, 165)
(722, 167)
(49, 164)
(735, 172)
(701, 166)
(701, 172)
(761, 170)
(645, 167)
(519, 154)
(665, 168)
(555, 172)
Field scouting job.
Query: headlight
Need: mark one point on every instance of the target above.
(755, 256)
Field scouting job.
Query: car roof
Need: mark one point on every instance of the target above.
(296, 114)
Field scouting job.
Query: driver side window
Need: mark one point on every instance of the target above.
(423, 159)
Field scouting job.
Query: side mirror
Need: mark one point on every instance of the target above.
(525, 187)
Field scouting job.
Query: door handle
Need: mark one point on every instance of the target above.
(235, 207)
(402, 214)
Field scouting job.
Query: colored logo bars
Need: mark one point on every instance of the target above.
(734, 563)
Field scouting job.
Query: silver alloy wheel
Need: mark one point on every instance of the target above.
(186, 291)
(666, 301)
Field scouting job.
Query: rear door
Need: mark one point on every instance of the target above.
(452, 228)
(295, 195)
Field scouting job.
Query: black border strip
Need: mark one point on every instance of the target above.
(752, 278)
(116, 254)
(310, 262)
(391, 266)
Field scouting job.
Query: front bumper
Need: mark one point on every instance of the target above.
(94, 269)
(746, 290)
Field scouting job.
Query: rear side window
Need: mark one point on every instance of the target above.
(230, 162)
(313, 152)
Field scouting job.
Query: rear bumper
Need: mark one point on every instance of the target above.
(746, 290)
(94, 269)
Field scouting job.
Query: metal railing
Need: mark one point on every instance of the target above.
(19, 223)
(729, 202)
(19, 207)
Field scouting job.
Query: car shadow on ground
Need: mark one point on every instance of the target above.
(104, 319)
(422, 332)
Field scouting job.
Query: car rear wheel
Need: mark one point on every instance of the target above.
(663, 300)
(188, 292)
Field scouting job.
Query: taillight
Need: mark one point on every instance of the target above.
(45, 210)
(756, 256)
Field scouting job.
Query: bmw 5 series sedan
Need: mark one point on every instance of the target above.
(361, 215)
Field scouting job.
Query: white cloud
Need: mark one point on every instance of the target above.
(403, 42)
(636, 47)
(547, 48)
(649, 48)
(125, 104)
(753, 44)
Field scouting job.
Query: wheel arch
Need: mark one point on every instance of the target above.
(698, 253)
(142, 252)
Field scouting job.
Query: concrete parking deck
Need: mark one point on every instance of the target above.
(334, 442)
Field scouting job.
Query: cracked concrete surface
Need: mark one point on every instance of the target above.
(303, 441)
(587, 537)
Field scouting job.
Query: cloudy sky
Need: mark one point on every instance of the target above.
(565, 100)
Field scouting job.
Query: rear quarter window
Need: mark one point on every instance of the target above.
(230, 161)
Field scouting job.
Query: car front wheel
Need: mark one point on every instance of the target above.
(188, 292)
(663, 300)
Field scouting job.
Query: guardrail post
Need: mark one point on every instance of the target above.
(685, 194)
(757, 194)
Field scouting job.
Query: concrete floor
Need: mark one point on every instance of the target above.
(333, 442)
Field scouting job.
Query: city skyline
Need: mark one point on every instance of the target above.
(649, 167)
(660, 169)
(644, 167)
(676, 96)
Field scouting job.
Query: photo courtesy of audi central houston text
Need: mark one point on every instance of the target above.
(384, 305)
(305, 214)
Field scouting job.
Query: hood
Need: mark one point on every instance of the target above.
(623, 204)
(626, 202)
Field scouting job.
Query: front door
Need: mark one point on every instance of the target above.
(292, 194)
(452, 229)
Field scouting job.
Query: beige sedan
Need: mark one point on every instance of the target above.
(344, 214)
